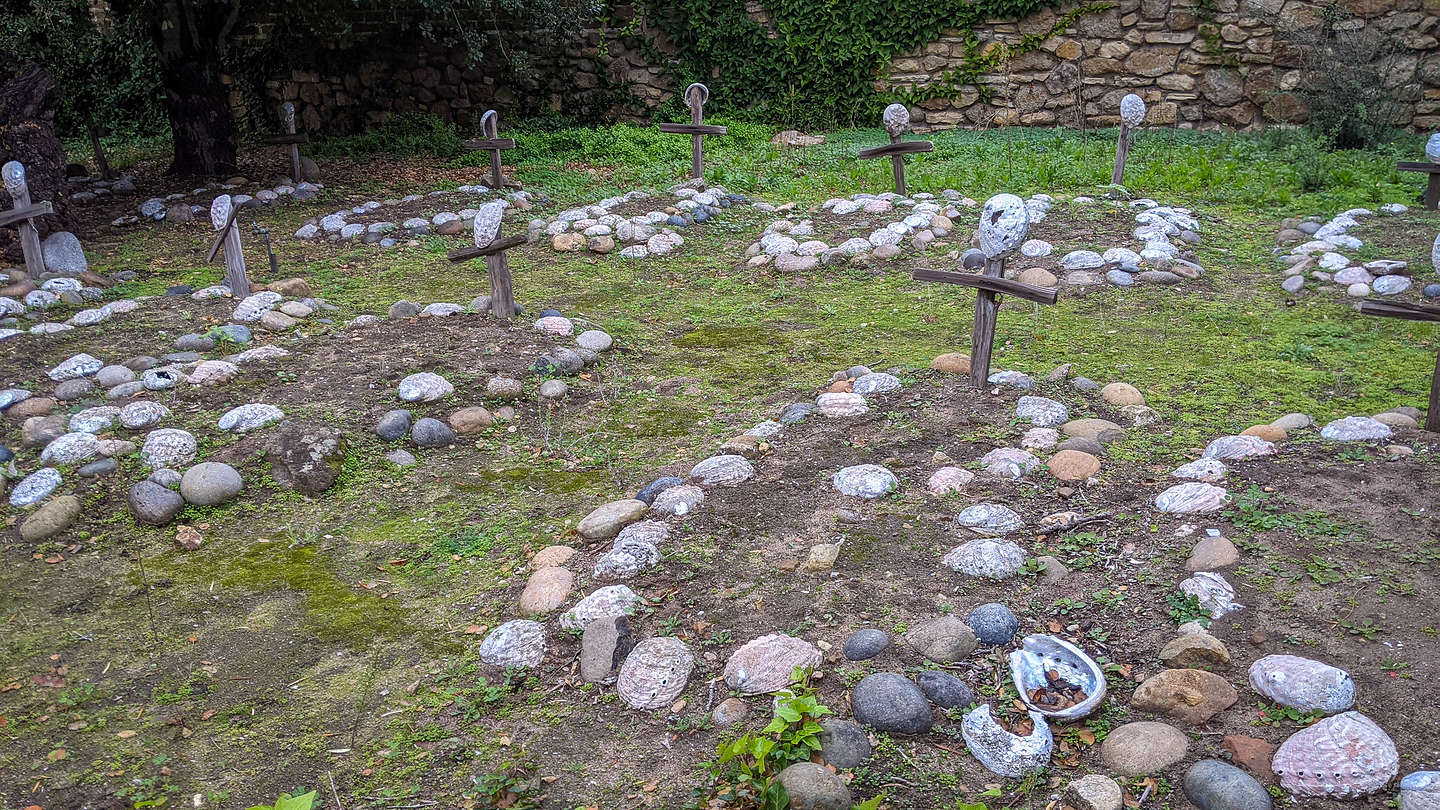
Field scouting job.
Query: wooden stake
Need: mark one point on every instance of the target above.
(695, 97)
(14, 178)
(1122, 151)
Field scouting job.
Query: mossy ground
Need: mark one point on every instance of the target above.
(337, 635)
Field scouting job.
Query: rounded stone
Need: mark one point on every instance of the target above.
(393, 425)
(648, 493)
(814, 787)
(1119, 393)
(152, 503)
(865, 644)
(503, 388)
(843, 743)
(865, 481)
(471, 420)
(1095, 792)
(1214, 785)
(168, 447)
(993, 624)
(1073, 465)
(546, 590)
(51, 519)
(944, 640)
(430, 432)
(553, 389)
(606, 521)
(945, 690)
(1135, 749)
(210, 483)
(424, 387)
(74, 389)
(890, 702)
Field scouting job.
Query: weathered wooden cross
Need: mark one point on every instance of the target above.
(492, 246)
(24, 213)
(1132, 114)
(695, 97)
(290, 139)
(1003, 225)
(1413, 312)
(222, 216)
(897, 121)
(493, 143)
(1432, 167)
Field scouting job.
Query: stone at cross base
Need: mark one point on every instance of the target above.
(28, 102)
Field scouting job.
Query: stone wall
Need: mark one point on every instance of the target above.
(1218, 67)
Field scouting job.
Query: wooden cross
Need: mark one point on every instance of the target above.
(290, 139)
(222, 216)
(1413, 312)
(1432, 188)
(897, 120)
(1003, 225)
(24, 213)
(1132, 114)
(695, 97)
(492, 246)
(493, 143)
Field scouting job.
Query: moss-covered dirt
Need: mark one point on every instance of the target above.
(336, 637)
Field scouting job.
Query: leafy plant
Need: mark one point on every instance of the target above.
(1273, 714)
(1186, 607)
(304, 801)
(742, 775)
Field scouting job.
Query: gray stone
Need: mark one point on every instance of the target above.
(153, 504)
(62, 253)
(401, 458)
(843, 743)
(944, 640)
(210, 483)
(1355, 429)
(35, 487)
(1095, 792)
(74, 389)
(723, 471)
(432, 433)
(1214, 785)
(603, 646)
(194, 343)
(393, 425)
(990, 519)
(648, 493)
(306, 458)
(796, 413)
(165, 477)
(1042, 411)
(168, 447)
(865, 481)
(97, 468)
(595, 341)
(865, 644)
(142, 414)
(424, 387)
(251, 417)
(993, 623)
(71, 448)
(890, 702)
(987, 558)
(80, 365)
(111, 376)
(945, 690)
(814, 787)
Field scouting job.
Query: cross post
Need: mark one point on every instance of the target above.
(24, 213)
(290, 139)
(695, 97)
(897, 120)
(227, 238)
(492, 246)
(1132, 114)
(1003, 225)
(1432, 188)
(1413, 312)
(492, 143)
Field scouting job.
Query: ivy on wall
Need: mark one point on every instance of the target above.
(818, 62)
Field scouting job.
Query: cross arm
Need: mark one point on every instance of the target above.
(220, 236)
(694, 129)
(897, 148)
(482, 144)
(283, 140)
(1400, 310)
(1040, 295)
(25, 212)
(498, 246)
(1429, 168)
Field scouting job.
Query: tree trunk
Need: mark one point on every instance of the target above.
(27, 134)
(190, 35)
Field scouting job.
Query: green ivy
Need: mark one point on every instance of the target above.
(822, 63)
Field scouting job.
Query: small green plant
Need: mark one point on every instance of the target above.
(1186, 607)
(1273, 714)
(1065, 605)
(304, 801)
(513, 784)
(1366, 629)
(742, 775)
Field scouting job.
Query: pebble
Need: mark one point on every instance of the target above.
(724, 471)
(251, 417)
(1192, 498)
(401, 458)
(865, 481)
(814, 787)
(990, 519)
(168, 447)
(503, 388)
(424, 387)
(1094, 792)
(986, 558)
(1191, 696)
(606, 521)
(944, 640)
(152, 503)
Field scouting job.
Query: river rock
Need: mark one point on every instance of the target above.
(945, 690)
(990, 519)
(608, 601)
(890, 702)
(1214, 785)
(1193, 497)
(945, 640)
(865, 644)
(248, 418)
(518, 644)
(723, 471)
(152, 503)
(210, 483)
(865, 481)
(51, 519)
(986, 557)
(424, 387)
(168, 447)
(1094, 792)
(546, 590)
(1191, 696)
(843, 743)
(993, 624)
(606, 521)
(1135, 749)
(814, 787)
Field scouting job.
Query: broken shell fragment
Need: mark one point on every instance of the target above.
(1004, 753)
